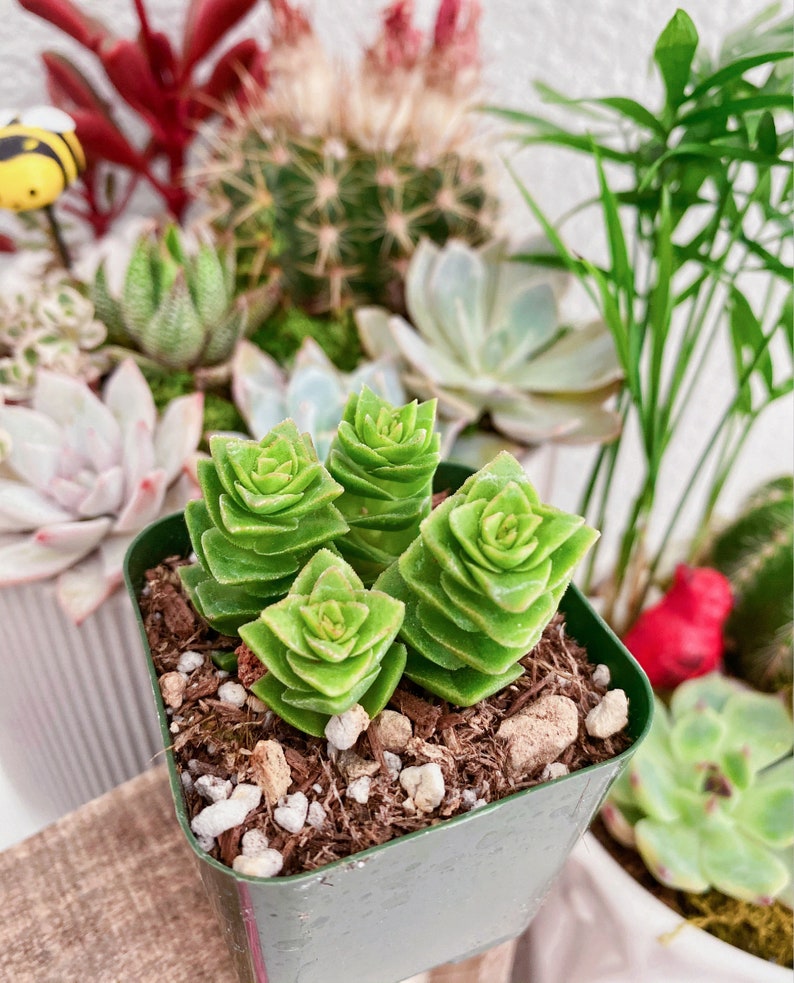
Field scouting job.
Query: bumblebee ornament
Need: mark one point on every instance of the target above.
(40, 156)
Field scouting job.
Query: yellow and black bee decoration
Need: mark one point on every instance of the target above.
(40, 156)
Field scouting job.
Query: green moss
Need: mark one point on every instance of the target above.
(762, 930)
(281, 337)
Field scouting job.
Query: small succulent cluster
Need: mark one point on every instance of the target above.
(485, 338)
(708, 798)
(82, 474)
(50, 327)
(482, 581)
(177, 307)
(286, 547)
(336, 178)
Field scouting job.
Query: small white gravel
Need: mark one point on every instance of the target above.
(291, 812)
(212, 788)
(556, 769)
(233, 693)
(610, 716)
(190, 660)
(266, 864)
(358, 790)
(316, 816)
(424, 785)
(393, 762)
(254, 843)
(217, 817)
(345, 729)
(601, 675)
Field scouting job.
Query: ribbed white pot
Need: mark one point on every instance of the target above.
(75, 702)
(598, 925)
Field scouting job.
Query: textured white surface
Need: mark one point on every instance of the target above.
(595, 47)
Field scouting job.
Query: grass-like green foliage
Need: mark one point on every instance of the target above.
(266, 506)
(385, 458)
(482, 581)
(694, 196)
(708, 799)
(328, 644)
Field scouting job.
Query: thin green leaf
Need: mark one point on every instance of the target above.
(618, 250)
(733, 107)
(660, 309)
(715, 151)
(747, 340)
(674, 52)
(735, 70)
(771, 262)
(766, 135)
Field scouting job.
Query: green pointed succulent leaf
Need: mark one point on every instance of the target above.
(698, 735)
(761, 725)
(672, 853)
(740, 867)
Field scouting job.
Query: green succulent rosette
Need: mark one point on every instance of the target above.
(266, 506)
(330, 643)
(482, 581)
(385, 458)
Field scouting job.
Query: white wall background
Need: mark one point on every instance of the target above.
(583, 47)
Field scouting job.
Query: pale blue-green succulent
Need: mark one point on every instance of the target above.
(708, 798)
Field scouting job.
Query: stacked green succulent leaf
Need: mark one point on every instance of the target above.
(708, 799)
(266, 506)
(385, 458)
(329, 644)
(482, 581)
(178, 308)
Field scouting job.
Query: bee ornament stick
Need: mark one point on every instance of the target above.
(40, 156)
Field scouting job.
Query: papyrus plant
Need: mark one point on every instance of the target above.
(266, 505)
(328, 644)
(385, 458)
(482, 581)
(708, 800)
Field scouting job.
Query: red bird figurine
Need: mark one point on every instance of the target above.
(681, 636)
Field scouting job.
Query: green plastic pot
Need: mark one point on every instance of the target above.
(438, 895)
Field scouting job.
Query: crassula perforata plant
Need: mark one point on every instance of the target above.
(266, 505)
(708, 799)
(385, 458)
(482, 581)
(328, 645)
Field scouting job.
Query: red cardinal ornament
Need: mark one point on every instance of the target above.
(681, 636)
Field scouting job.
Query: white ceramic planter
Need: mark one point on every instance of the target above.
(75, 717)
(598, 925)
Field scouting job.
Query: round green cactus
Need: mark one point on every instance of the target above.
(266, 505)
(482, 581)
(385, 458)
(329, 644)
(756, 553)
(708, 799)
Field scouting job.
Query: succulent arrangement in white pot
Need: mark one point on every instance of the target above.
(80, 475)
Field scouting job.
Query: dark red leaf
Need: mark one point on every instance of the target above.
(89, 31)
(206, 23)
(162, 57)
(102, 140)
(226, 79)
(7, 244)
(128, 69)
(68, 87)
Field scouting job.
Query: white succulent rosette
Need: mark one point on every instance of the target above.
(486, 338)
(83, 474)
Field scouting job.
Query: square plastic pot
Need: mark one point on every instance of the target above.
(438, 895)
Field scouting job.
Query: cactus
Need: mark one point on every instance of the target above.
(337, 177)
(385, 458)
(482, 581)
(708, 798)
(327, 645)
(266, 506)
(178, 308)
(486, 339)
(756, 553)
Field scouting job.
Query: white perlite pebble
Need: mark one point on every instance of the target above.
(393, 762)
(424, 785)
(291, 812)
(270, 770)
(345, 729)
(172, 688)
(538, 734)
(254, 843)
(266, 864)
(352, 766)
(206, 843)
(610, 716)
(316, 816)
(190, 660)
(212, 788)
(255, 705)
(471, 799)
(359, 789)
(394, 730)
(233, 693)
(187, 780)
(228, 813)
(554, 770)
(601, 675)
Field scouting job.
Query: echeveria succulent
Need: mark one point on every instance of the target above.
(327, 645)
(313, 393)
(485, 338)
(482, 581)
(385, 458)
(266, 505)
(708, 799)
(179, 308)
(82, 474)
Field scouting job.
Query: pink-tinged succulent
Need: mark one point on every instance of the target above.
(82, 474)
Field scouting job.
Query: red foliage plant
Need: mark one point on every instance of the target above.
(158, 84)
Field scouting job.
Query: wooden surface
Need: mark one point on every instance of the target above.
(110, 894)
